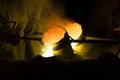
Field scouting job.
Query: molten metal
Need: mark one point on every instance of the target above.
(50, 37)
(55, 34)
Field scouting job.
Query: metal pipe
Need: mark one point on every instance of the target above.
(104, 41)
(97, 41)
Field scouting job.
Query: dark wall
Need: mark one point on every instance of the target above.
(94, 15)
(78, 10)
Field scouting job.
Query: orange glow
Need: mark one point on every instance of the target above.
(50, 37)
(55, 34)
(74, 30)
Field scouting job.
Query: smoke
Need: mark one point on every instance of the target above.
(45, 14)
(31, 16)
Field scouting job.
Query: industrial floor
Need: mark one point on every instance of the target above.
(107, 67)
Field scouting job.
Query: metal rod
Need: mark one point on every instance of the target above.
(78, 41)
(97, 41)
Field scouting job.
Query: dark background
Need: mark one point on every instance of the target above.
(96, 16)
(52, 69)
(78, 10)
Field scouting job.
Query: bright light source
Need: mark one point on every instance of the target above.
(47, 51)
(73, 45)
(75, 31)
(55, 34)
(50, 37)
